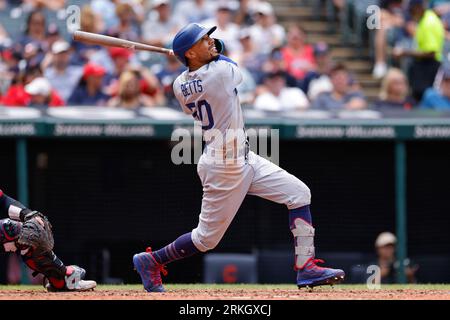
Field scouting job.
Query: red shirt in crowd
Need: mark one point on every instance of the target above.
(17, 97)
(299, 63)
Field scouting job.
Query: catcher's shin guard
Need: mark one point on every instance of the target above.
(49, 265)
(74, 281)
(60, 277)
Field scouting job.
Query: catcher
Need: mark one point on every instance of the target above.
(30, 232)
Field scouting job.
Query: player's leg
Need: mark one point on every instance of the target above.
(275, 184)
(223, 193)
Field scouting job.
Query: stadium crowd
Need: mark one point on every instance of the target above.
(43, 67)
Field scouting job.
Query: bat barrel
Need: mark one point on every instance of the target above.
(100, 39)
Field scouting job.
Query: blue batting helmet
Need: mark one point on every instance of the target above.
(187, 37)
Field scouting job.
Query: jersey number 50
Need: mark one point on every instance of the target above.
(198, 113)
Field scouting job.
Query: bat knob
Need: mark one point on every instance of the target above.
(171, 53)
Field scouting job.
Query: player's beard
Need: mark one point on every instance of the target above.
(213, 54)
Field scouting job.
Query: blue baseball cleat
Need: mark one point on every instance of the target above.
(149, 270)
(311, 275)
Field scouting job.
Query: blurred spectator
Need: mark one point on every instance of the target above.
(298, 55)
(35, 30)
(90, 88)
(441, 7)
(62, 76)
(166, 75)
(129, 93)
(161, 26)
(89, 22)
(339, 4)
(438, 99)
(278, 97)
(114, 60)
(16, 94)
(4, 4)
(430, 36)
(226, 30)
(394, 94)
(318, 81)
(121, 58)
(266, 33)
(391, 30)
(42, 95)
(140, 8)
(150, 85)
(187, 11)
(118, 61)
(443, 10)
(245, 15)
(4, 37)
(53, 5)
(52, 34)
(11, 56)
(276, 63)
(126, 28)
(5, 75)
(32, 54)
(385, 249)
(343, 95)
(107, 10)
(249, 57)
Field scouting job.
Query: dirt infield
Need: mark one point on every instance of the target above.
(323, 293)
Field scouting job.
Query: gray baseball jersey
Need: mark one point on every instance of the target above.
(209, 94)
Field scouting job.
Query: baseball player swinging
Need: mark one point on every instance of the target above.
(30, 232)
(207, 91)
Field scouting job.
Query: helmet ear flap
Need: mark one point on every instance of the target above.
(220, 46)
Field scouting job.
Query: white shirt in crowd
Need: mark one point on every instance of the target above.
(64, 83)
(265, 39)
(188, 11)
(318, 86)
(289, 99)
(155, 30)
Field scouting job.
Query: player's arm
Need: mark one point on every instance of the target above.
(13, 208)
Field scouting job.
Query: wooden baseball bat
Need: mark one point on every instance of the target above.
(95, 38)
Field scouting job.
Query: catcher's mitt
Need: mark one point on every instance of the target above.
(36, 233)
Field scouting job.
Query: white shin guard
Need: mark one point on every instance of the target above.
(303, 234)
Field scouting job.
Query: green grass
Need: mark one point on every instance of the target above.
(240, 287)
